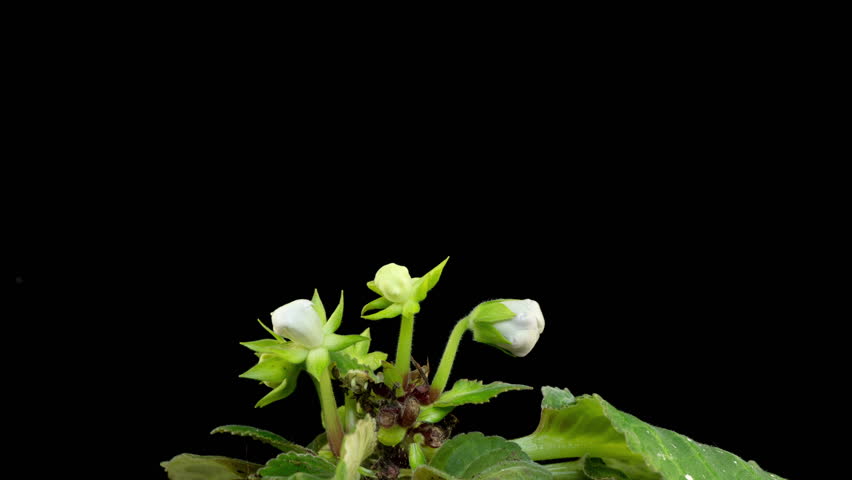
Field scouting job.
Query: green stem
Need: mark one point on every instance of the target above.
(333, 428)
(545, 447)
(403, 347)
(439, 382)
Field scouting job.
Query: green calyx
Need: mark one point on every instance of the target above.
(399, 293)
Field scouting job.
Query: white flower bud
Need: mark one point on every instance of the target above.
(394, 282)
(299, 322)
(522, 331)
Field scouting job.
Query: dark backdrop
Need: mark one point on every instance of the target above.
(680, 317)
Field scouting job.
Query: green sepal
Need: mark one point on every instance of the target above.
(271, 332)
(317, 361)
(410, 308)
(187, 466)
(487, 333)
(261, 346)
(491, 312)
(318, 307)
(390, 312)
(380, 303)
(270, 368)
(336, 317)
(375, 288)
(333, 342)
(391, 436)
(416, 457)
(283, 390)
(427, 282)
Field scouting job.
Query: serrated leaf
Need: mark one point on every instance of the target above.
(592, 427)
(287, 464)
(464, 392)
(380, 303)
(427, 282)
(264, 436)
(473, 455)
(336, 317)
(390, 312)
(556, 398)
(200, 467)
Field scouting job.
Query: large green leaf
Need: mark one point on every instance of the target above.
(464, 392)
(589, 426)
(473, 455)
(287, 464)
(264, 436)
(199, 467)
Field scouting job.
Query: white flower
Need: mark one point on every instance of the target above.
(522, 331)
(394, 282)
(300, 322)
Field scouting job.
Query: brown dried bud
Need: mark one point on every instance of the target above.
(382, 390)
(432, 436)
(421, 393)
(410, 411)
(388, 415)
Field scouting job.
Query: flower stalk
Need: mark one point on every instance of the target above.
(333, 428)
(442, 376)
(403, 347)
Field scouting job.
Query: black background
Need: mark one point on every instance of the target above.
(678, 312)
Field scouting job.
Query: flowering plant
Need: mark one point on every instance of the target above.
(396, 419)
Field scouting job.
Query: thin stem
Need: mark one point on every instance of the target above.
(403, 347)
(333, 428)
(439, 382)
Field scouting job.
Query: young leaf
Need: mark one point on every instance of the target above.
(264, 436)
(199, 467)
(592, 427)
(464, 392)
(291, 463)
(427, 282)
(473, 455)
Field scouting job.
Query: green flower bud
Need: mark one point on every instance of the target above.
(395, 283)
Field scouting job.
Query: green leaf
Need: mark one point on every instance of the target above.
(390, 312)
(556, 398)
(318, 442)
(357, 446)
(318, 307)
(592, 427)
(473, 455)
(596, 469)
(334, 342)
(199, 467)
(290, 463)
(391, 436)
(336, 317)
(380, 303)
(464, 392)
(264, 436)
(427, 282)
